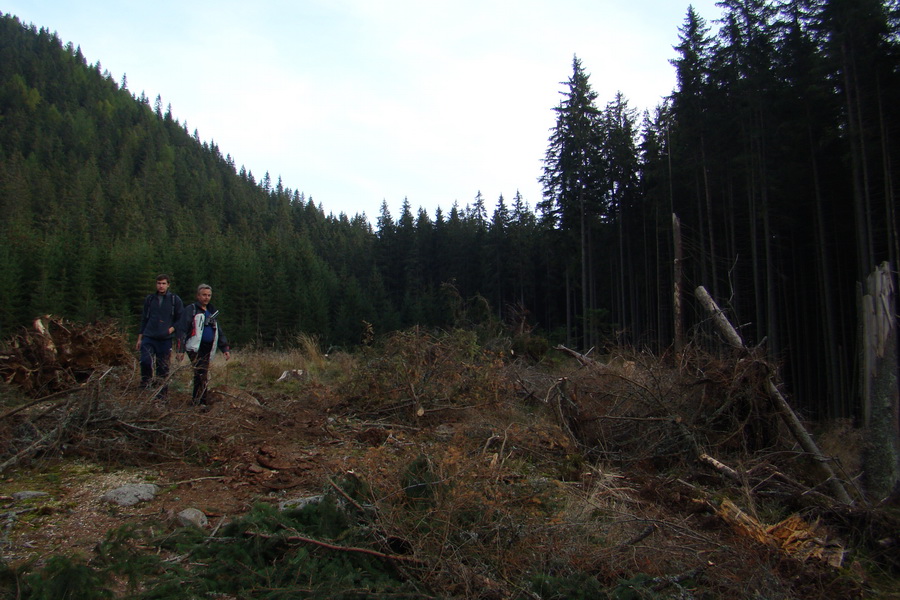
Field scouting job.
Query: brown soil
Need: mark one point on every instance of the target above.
(265, 457)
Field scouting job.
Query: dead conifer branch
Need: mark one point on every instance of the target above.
(46, 398)
(34, 448)
(562, 413)
(629, 418)
(144, 429)
(353, 549)
(583, 359)
(66, 402)
(345, 495)
(640, 537)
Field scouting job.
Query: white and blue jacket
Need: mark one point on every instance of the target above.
(193, 324)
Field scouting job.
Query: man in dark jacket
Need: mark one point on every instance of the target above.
(161, 314)
(200, 335)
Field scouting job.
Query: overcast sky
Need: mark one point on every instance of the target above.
(355, 102)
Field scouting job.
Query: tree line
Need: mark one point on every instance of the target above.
(775, 154)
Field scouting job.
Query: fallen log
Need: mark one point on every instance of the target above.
(581, 358)
(793, 536)
(617, 366)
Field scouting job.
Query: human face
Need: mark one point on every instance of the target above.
(162, 286)
(204, 296)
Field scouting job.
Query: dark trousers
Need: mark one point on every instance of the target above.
(200, 360)
(158, 351)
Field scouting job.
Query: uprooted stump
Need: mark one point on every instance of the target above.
(55, 354)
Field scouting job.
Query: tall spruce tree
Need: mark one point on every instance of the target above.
(690, 124)
(573, 180)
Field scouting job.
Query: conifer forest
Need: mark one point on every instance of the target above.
(767, 177)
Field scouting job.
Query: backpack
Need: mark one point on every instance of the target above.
(147, 301)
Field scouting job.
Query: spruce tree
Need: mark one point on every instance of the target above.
(573, 175)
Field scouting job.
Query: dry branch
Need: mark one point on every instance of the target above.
(32, 449)
(640, 537)
(305, 540)
(561, 412)
(22, 407)
(720, 466)
(581, 358)
(345, 495)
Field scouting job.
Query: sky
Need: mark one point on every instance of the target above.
(359, 102)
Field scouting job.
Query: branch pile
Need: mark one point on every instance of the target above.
(637, 409)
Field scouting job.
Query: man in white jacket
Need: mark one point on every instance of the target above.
(200, 335)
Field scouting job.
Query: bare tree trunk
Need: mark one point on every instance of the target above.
(590, 317)
(585, 327)
(879, 386)
(714, 277)
(623, 319)
(657, 285)
(677, 279)
(858, 161)
(671, 182)
(569, 302)
(773, 341)
(755, 261)
(835, 370)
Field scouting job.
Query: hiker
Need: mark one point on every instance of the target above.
(161, 314)
(200, 335)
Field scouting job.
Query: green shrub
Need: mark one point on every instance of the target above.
(577, 586)
(67, 579)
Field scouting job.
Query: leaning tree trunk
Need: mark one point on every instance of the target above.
(733, 338)
(879, 384)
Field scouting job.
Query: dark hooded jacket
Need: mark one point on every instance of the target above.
(158, 316)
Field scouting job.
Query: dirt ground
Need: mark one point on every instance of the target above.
(265, 459)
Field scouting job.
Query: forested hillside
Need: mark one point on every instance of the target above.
(101, 190)
(776, 151)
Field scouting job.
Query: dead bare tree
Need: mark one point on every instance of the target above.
(879, 382)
